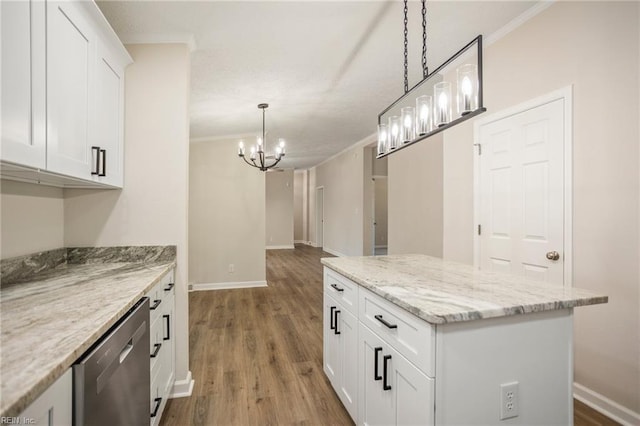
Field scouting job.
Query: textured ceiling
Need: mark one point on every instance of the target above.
(327, 68)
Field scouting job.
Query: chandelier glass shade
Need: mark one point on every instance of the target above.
(443, 98)
(257, 156)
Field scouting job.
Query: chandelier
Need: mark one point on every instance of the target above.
(428, 107)
(257, 156)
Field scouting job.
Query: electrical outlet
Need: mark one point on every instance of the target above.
(509, 404)
(232, 268)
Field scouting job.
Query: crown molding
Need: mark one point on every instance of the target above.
(161, 38)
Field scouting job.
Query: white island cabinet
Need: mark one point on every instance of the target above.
(441, 343)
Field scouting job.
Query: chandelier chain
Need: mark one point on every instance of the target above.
(406, 43)
(425, 69)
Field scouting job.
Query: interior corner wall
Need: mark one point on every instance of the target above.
(342, 180)
(311, 210)
(31, 218)
(152, 208)
(226, 216)
(415, 197)
(279, 209)
(595, 48)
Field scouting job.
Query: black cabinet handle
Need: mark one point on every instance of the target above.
(169, 287)
(157, 407)
(103, 154)
(335, 330)
(385, 368)
(336, 288)
(331, 324)
(376, 351)
(95, 152)
(156, 303)
(168, 336)
(382, 320)
(156, 349)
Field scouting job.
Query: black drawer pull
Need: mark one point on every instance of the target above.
(103, 163)
(169, 287)
(376, 375)
(336, 288)
(331, 324)
(156, 303)
(156, 349)
(158, 401)
(168, 336)
(382, 320)
(385, 368)
(335, 330)
(95, 151)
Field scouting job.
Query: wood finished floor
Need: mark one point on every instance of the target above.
(256, 354)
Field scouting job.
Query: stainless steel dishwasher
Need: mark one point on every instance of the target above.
(111, 380)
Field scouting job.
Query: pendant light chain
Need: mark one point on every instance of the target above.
(425, 69)
(406, 43)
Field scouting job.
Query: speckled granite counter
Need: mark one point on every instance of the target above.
(441, 292)
(52, 310)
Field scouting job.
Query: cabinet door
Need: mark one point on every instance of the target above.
(168, 339)
(53, 407)
(107, 129)
(348, 360)
(331, 349)
(23, 82)
(392, 390)
(70, 60)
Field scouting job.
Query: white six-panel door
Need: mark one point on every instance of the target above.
(521, 200)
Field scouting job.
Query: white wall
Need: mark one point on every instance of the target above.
(32, 218)
(415, 199)
(226, 216)
(279, 209)
(342, 178)
(593, 46)
(152, 207)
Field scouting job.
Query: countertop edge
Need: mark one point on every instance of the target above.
(23, 401)
(467, 315)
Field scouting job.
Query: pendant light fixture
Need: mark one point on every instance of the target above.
(435, 103)
(257, 156)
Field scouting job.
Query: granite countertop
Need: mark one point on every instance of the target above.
(440, 291)
(53, 313)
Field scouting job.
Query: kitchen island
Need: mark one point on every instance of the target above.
(55, 305)
(412, 339)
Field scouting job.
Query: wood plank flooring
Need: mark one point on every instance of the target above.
(256, 354)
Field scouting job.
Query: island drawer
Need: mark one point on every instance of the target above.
(412, 337)
(342, 289)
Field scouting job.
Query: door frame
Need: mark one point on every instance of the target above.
(319, 218)
(566, 95)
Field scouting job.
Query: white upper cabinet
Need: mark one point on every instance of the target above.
(23, 82)
(71, 49)
(65, 106)
(107, 129)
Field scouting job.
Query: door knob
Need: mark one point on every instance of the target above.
(553, 255)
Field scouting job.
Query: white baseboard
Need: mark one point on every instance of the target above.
(333, 252)
(302, 242)
(285, 247)
(226, 286)
(604, 405)
(182, 388)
